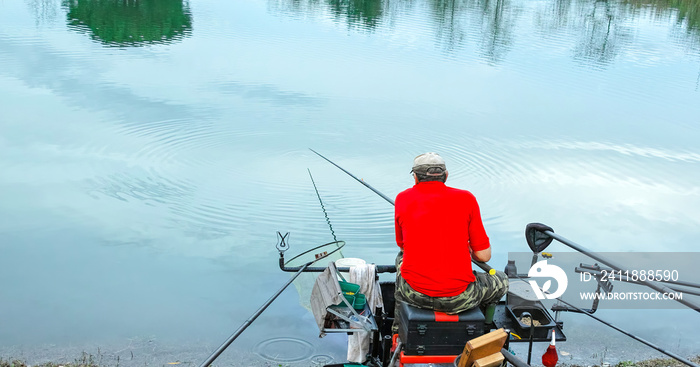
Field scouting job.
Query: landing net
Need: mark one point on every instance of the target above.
(322, 255)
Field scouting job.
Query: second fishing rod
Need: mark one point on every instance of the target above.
(485, 267)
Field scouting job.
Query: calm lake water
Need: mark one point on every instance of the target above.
(150, 150)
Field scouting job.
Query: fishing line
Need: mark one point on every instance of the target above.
(322, 206)
(649, 344)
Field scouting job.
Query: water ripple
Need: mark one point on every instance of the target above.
(284, 350)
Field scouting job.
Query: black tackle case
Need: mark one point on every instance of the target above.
(426, 332)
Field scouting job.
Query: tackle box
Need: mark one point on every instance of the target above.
(427, 332)
(543, 322)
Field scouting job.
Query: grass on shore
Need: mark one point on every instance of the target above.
(88, 360)
(656, 362)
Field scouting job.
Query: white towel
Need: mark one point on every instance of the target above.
(365, 276)
(326, 292)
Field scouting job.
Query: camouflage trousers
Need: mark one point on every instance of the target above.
(486, 290)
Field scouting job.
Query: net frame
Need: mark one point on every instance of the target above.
(317, 256)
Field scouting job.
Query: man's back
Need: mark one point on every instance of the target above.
(435, 226)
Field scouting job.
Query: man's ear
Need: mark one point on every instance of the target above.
(415, 178)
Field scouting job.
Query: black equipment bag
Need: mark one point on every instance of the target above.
(428, 332)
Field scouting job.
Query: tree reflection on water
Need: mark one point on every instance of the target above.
(359, 14)
(366, 13)
(685, 12)
(44, 11)
(130, 22)
(603, 31)
(688, 11)
(489, 23)
(603, 27)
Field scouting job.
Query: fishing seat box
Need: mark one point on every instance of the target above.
(427, 332)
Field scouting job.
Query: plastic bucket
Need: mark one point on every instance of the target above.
(348, 262)
(350, 291)
(350, 299)
(360, 301)
(349, 287)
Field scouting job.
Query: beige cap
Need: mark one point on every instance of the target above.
(430, 164)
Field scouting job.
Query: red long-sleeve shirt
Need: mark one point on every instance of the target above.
(435, 226)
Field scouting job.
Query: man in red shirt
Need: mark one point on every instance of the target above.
(439, 230)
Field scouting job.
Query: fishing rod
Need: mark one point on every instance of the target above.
(539, 236)
(252, 318)
(358, 180)
(485, 267)
(653, 285)
(641, 340)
